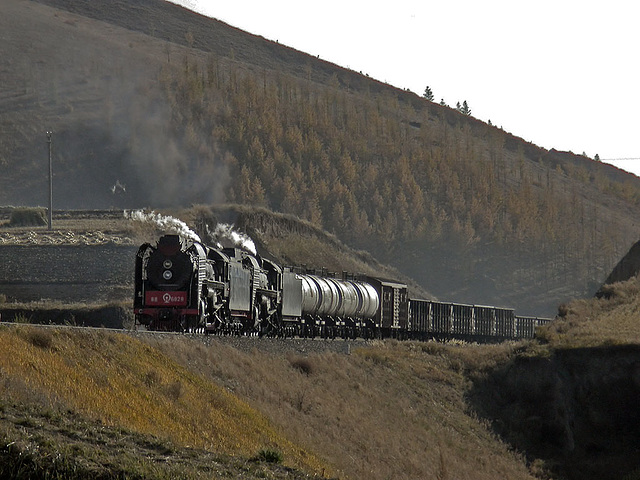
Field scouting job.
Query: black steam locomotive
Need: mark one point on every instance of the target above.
(183, 285)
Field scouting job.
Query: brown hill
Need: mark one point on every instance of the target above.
(179, 108)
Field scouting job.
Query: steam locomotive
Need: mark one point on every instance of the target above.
(183, 285)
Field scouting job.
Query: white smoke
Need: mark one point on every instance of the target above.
(165, 223)
(222, 234)
(224, 231)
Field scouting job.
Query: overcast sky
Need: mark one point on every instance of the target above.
(562, 74)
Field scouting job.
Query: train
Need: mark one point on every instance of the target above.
(183, 285)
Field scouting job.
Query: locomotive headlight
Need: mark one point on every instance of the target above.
(167, 264)
(167, 274)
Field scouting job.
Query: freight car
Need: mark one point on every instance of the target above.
(184, 285)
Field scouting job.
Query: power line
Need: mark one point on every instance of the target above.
(617, 159)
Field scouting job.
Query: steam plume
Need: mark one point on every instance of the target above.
(224, 231)
(165, 223)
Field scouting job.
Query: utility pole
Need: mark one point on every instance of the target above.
(49, 134)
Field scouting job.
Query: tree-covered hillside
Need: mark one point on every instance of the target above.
(181, 109)
(420, 185)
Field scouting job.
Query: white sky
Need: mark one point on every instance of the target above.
(562, 74)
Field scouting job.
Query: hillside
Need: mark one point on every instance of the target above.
(572, 399)
(181, 109)
(58, 403)
(197, 407)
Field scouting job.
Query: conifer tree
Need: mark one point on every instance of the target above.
(428, 93)
(464, 108)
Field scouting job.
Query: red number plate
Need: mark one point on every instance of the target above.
(165, 299)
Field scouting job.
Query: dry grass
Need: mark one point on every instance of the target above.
(121, 382)
(610, 320)
(392, 410)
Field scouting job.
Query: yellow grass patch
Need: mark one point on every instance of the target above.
(123, 382)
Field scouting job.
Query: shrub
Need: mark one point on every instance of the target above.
(26, 217)
(173, 390)
(270, 456)
(152, 377)
(376, 356)
(564, 310)
(620, 291)
(40, 338)
(303, 364)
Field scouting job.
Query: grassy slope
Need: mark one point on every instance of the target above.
(119, 382)
(407, 410)
(389, 410)
(570, 402)
(392, 410)
(609, 320)
(289, 240)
